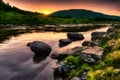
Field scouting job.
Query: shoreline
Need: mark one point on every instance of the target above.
(57, 27)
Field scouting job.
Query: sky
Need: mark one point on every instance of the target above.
(111, 7)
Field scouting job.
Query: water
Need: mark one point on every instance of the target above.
(17, 61)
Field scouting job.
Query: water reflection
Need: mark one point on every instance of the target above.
(17, 61)
(38, 59)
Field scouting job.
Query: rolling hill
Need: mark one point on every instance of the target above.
(81, 13)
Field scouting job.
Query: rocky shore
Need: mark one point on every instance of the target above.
(90, 53)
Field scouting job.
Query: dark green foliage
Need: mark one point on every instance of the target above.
(78, 66)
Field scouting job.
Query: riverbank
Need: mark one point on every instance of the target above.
(74, 67)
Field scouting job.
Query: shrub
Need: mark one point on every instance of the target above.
(113, 59)
(107, 74)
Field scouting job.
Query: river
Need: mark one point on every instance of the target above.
(17, 61)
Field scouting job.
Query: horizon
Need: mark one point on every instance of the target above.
(47, 6)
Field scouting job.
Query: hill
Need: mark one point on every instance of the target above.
(81, 13)
(13, 15)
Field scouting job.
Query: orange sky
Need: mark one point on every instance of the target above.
(110, 7)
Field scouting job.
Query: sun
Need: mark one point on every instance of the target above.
(46, 12)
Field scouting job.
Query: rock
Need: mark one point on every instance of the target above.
(98, 35)
(75, 36)
(40, 48)
(89, 43)
(75, 78)
(62, 70)
(77, 50)
(59, 56)
(87, 58)
(88, 54)
(65, 53)
(92, 54)
(112, 31)
(84, 76)
(64, 42)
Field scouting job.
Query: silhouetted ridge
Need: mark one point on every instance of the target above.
(81, 13)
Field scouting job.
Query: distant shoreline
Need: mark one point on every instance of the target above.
(57, 27)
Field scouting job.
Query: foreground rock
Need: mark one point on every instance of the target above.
(89, 43)
(75, 36)
(40, 48)
(64, 42)
(88, 54)
(61, 71)
(92, 54)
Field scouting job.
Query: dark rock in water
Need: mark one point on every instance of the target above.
(40, 48)
(89, 43)
(59, 56)
(98, 35)
(64, 42)
(112, 31)
(75, 36)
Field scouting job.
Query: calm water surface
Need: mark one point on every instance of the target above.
(17, 61)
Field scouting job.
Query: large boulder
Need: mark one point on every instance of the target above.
(61, 55)
(89, 43)
(75, 36)
(64, 42)
(98, 35)
(40, 48)
(92, 54)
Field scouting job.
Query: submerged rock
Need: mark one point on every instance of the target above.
(89, 43)
(40, 48)
(75, 36)
(64, 42)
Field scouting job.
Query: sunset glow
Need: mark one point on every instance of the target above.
(110, 7)
(46, 12)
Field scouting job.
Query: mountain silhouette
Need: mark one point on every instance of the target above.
(81, 13)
